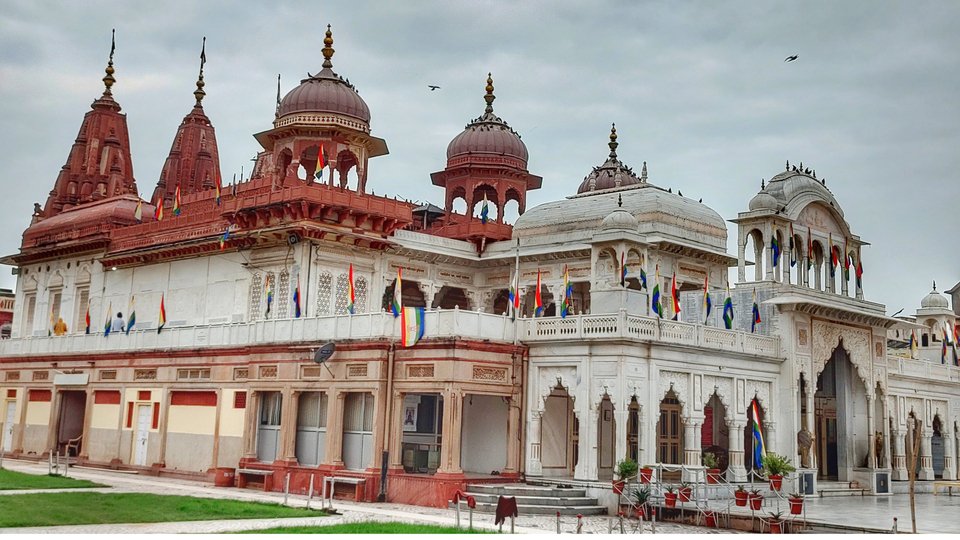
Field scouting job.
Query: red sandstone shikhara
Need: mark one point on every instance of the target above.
(279, 356)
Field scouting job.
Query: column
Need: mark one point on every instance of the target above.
(691, 452)
(334, 454)
(741, 257)
(250, 425)
(735, 469)
(770, 436)
(844, 284)
(758, 257)
(450, 443)
(871, 430)
(620, 434)
(395, 444)
(642, 457)
(949, 463)
(811, 419)
(899, 455)
(288, 426)
(513, 436)
(887, 461)
(768, 251)
(926, 457)
(87, 414)
(534, 465)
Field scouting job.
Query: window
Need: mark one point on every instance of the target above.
(670, 431)
(311, 428)
(324, 284)
(239, 400)
(422, 421)
(361, 290)
(80, 315)
(256, 292)
(283, 303)
(358, 430)
(343, 292)
(55, 298)
(270, 409)
(193, 374)
(268, 433)
(30, 303)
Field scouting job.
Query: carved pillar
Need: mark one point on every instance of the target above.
(288, 426)
(534, 465)
(770, 436)
(251, 421)
(396, 432)
(926, 457)
(514, 425)
(87, 416)
(949, 463)
(741, 257)
(735, 469)
(844, 283)
(899, 454)
(334, 453)
(642, 457)
(871, 430)
(886, 461)
(767, 249)
(810, 425)
(620, 432)
(450, 439)
(691, 452)
(817, 276)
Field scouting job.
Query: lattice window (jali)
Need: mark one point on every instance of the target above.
(282, 297)
(272, 280)
(342, 292)
(361, 286)
(324, 287)
(256, 294)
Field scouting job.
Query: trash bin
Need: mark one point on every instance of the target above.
(224, 477)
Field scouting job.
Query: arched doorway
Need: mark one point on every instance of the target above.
(633, 429)
(670, 434)
(840, 411)
(937, 447)
(559, 435)
(606, 440)
(714, 433)
(754, 437)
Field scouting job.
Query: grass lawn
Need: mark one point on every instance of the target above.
(371, 527)
(41, 509)
(18, 480)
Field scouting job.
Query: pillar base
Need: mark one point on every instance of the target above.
(736, 475)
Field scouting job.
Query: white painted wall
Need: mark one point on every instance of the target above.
(483, 446)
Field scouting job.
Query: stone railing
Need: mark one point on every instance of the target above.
(923, 369)
(623, 325)
(312, 331)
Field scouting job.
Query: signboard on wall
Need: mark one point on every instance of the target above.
(70, 379)
(410, 406)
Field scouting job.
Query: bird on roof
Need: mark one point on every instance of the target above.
(680, 193)
(433, 87)
(670, 190)
(701, 200)
(791, 58)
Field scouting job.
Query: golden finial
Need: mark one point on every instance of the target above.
(489, 97)
(613, 141)
(108, 79)
(328, 49)
(199, 93)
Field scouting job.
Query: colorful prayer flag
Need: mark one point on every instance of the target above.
(106, 325)
(176, 201)
(138, 213)
(759, 448)
(775, 246)
(268, 286)
(623, 269)
(484, 210)
(158, 212)
(87, 318)
(675, 294)
(728, 310)
(216, 185)
(913, 344)
(412, 325)
(643, 279)
(351, 293)
(859, 273)
(834, 260)
(793, 249)
(321, 163)
(809, 249)
(224, 237)
(538, 300)
(707, 303)
(846, 261)
(133, 317)
(656, 304)
(755, 318)
(162, 319)
(397, 304)
(567, 301)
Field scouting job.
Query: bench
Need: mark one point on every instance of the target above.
(266, 475)
(949, 484)
(329, 485)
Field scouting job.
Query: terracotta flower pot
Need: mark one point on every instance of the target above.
(740, 497)
(776, 527)
(713, 476)
(670, 499)
(711, 519)
(776, 482)
(638, 512)
(646, 475)
(618, 486)
(756, 501)
(685, 494)
(796, 506)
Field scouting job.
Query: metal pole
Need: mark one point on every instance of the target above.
(310, 492)
(286, 488)
(558, 522)
(471, 518)
(511, 525)
(457, 507)
(579, 522)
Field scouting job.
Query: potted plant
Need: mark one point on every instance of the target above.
(642, 495)
(646, 474)
(670, 497)
(740, 496)
(776, 466)
(710, 517)
(710, 462)
(755, 498)
(685, 492)
(776, 523)
(626, 469)
(796, 503)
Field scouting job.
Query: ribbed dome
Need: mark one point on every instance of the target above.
(763, 201)
(613, 173)
(488, 134)
(325, 92)
(934, 300)
(619, 219)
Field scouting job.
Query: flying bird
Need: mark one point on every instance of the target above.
(433, 87)
(791, 58)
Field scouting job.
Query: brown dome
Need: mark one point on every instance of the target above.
(488, 134)
(613, 173)
(325, 92)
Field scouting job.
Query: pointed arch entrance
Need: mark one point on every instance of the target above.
(670, 433)
(841, 435)
(559, 435)
(606, 439)
(754, 437)
(714, 433)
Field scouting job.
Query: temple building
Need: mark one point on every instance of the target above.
(551, 348)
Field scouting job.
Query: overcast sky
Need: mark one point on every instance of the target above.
(699, 90)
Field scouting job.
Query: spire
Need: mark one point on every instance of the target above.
(934, 285)
(108, 79)
(327, 49)
(643, 172)
(199, 93)
(613, 141)
(489, 97)
(277, 111)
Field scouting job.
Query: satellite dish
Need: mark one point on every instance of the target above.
(324, 353)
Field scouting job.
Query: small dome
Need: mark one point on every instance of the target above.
(613, 173)
(934, 300)
(325, 92)
(619, 219)
(488, 134)
(763, 201)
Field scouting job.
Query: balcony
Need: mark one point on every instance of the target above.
(635, 327)
(923, 369)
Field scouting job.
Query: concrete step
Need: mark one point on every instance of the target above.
(843, 492)
(537, 500)
(545, 510)
(515, 490)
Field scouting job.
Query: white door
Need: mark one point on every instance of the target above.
(8, 426)
(144, 419)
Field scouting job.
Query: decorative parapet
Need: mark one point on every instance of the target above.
(922, 369)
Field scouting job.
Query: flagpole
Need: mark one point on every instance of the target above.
(516, 316)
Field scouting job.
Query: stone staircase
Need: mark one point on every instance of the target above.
(539, 500)
(840, 489)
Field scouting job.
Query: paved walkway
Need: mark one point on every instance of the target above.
(349, 512)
